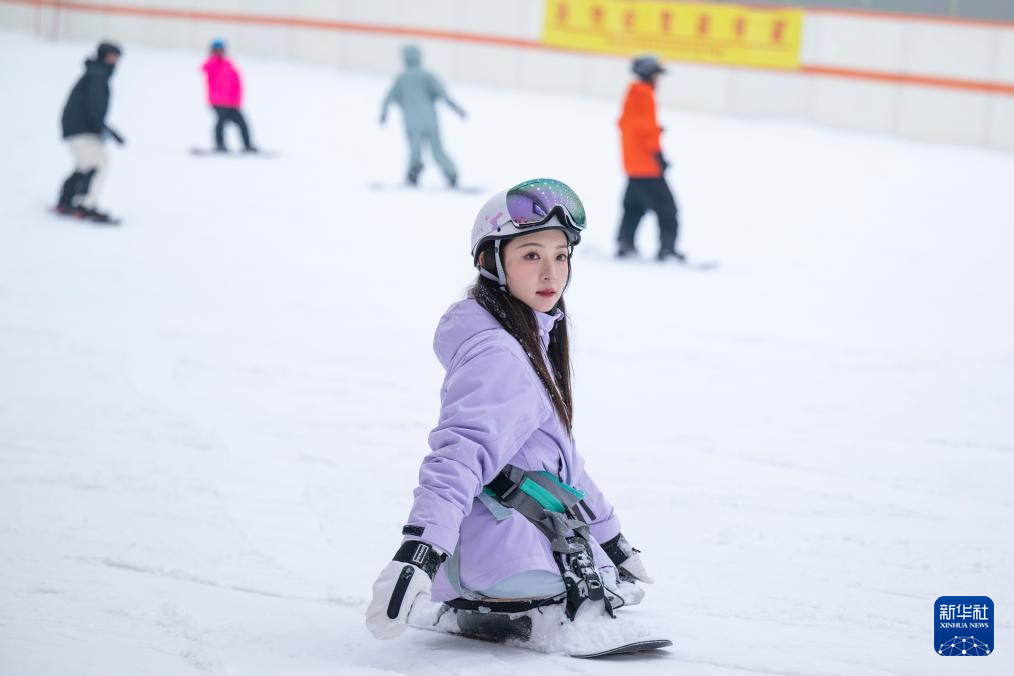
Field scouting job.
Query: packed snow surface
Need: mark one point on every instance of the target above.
(212, 417)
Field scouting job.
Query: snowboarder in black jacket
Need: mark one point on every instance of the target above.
(84, 130)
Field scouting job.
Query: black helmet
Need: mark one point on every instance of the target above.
(646, 66)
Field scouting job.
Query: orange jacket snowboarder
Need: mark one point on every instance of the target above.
(641, 133)
(645, 165)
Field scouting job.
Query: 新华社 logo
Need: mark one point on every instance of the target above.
(963, 626)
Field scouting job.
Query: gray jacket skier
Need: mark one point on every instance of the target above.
(417, 91)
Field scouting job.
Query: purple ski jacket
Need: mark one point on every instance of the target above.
(494, 411)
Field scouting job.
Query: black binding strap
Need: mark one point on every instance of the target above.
(486, 606)
(501, 485)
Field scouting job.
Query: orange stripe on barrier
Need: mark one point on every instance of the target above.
(523, 43)
(903, 79)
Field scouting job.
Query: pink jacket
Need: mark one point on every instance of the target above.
(224, 87)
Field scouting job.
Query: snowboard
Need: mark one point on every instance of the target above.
(464, 189)
(209, 152)
(86, 221)
(592, 634)
(688, 264)
(631, 648)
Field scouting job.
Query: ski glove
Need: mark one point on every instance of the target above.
(663, 163)
(624, 594)
(627, 559)
(116, 136)
(401, 583)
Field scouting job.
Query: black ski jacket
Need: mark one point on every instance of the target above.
(85, 112)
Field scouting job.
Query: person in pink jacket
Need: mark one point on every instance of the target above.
(225, 94)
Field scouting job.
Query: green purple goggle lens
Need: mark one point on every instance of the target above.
(534, 202)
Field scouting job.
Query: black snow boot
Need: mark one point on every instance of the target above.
(626, 250)
(666, 254)
(494, 627)
(69, 192)
(413, 174)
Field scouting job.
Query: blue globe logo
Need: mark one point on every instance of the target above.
(963, 646)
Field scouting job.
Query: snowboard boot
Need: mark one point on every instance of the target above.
(496, 619)
(665, 254)
(413, 174)
(452, 181)
(69, 192)
(626, 250)
(494, 626)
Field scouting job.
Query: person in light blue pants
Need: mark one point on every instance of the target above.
(416, 91)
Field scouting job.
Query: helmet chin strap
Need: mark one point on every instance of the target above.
(501, 276)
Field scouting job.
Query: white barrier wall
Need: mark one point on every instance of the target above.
(495, 44)
(928, 49)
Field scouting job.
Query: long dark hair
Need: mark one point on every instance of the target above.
(519, 320)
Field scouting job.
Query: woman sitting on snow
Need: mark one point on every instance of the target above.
(505, 517)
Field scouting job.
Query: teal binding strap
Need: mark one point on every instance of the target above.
(550, 492)
(545, 489)
(545, 498)
(576, 492)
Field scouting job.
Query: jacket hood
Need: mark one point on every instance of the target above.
(412, 56)
(466, 319)
(462, 321)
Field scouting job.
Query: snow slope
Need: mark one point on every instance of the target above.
(211, 418)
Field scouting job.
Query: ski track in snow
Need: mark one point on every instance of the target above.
(211, 418)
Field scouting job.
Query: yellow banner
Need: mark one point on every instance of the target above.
(680, 31)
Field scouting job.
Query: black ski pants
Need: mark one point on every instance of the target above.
(230, 115)
(649, 194)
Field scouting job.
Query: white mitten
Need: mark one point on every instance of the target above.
(404, 581)
(627, 559)
(625, 594)
(634, 567)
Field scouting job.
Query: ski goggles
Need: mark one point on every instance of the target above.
(535, 202)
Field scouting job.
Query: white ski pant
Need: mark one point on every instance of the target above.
(89, 153)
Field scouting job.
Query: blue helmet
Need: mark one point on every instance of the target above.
(646, 66)
(218, 43)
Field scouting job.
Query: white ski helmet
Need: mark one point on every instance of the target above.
(538, 204)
